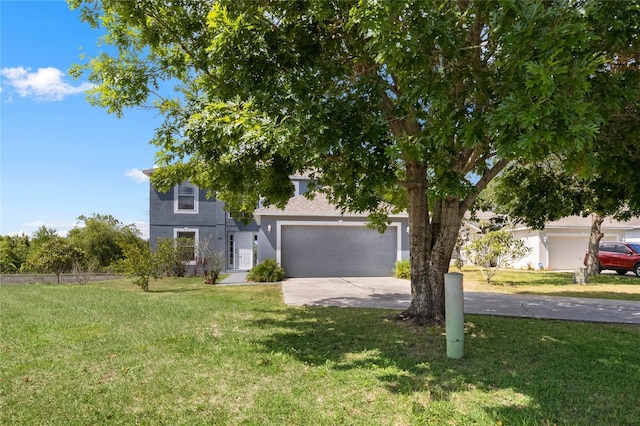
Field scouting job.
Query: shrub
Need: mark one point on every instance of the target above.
(140, 263)
(267, 271)
(168, 255)
(495, 250)
(210, 261)
(403, 269)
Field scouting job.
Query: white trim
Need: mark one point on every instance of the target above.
(196, 231)
(196, 199)
(280, 224)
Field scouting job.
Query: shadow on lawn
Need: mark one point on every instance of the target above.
(524, 370)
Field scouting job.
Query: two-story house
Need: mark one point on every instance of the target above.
(309, 238)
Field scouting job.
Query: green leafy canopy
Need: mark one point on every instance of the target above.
(347, 91)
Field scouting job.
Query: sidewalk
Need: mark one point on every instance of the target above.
(235, 278)
(393, 293)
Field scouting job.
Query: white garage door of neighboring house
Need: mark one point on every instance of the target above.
(335, 251)
(567, 252)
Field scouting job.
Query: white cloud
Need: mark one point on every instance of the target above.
(137, 175)
(46, 84)
(29, 228)
(144, 229)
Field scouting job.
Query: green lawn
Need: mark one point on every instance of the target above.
(186, 353)
(604, 286)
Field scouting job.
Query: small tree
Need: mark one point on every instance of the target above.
(209, 260)
(166, 255)
(174, 255)
(55, 255)
(141, 264)
(494, 250)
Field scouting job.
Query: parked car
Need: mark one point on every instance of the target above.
(620, 257)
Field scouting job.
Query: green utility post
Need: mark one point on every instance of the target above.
(454, 314)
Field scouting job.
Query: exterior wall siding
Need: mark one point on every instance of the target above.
(212, 222)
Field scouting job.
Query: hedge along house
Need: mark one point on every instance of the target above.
(309, 238)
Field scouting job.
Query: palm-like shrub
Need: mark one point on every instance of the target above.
(267, 271)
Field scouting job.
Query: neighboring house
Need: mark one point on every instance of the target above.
(563, 243)
(309, 238)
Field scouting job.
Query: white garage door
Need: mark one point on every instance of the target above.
(567, 252)
(337, 251)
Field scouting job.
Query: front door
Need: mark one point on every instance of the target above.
(243, 250)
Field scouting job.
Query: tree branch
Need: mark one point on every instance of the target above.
(466, 203)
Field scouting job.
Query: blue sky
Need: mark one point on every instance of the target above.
(60, 157)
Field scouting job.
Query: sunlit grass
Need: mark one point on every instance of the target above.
(188, 353)
(604, 286)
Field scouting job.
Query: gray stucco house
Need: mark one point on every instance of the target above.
(309, 238)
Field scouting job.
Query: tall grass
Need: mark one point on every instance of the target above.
(187, 353)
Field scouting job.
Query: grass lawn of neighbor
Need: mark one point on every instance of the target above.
(607, 285)
(186, 354)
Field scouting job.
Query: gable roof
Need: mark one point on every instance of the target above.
(570, 222)
(585, 222)
(301, 205)
(318, 206)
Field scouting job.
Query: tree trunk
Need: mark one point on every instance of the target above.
(432, 240)
(422, 307)
(593, 264)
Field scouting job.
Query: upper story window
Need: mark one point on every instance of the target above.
(186, 198)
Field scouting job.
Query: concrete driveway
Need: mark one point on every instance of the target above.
(394, 293)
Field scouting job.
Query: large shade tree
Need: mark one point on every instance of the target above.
(417, 104)
(549, 189)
